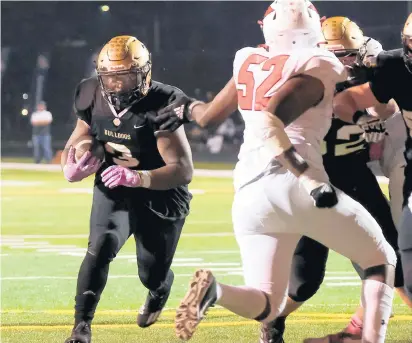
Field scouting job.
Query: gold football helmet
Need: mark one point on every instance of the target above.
(124, 70)
(407, 42)
(342, 36)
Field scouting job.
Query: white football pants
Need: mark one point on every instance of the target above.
(271, 214)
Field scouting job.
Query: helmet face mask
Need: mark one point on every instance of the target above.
(124, 87)
(124, 71)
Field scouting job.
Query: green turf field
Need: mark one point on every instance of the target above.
(44, 235)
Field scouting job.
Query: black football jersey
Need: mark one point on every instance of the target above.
(392, 80)
(132, 142)
(344, 141)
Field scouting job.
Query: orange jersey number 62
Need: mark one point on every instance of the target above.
(246, 78)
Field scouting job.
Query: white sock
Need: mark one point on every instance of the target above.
(245, 301)
(377, 300)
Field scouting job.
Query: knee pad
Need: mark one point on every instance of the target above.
(306, 290)
(106, 247)
(304, 284)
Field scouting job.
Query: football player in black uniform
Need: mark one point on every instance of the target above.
(391, 80)
(140, 188)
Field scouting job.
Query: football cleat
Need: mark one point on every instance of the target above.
(270, 334)
(81, 333)
(155, 302)
(341, 337)
(200, 296)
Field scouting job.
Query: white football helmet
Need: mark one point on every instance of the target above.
(292, 24)
(367, 54)
(372, 47)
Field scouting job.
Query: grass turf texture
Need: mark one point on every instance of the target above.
(44, 230)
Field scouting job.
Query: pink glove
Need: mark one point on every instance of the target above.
(376, 151)
(120, 176)
(87, 165)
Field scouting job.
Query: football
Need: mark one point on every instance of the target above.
(87, 143)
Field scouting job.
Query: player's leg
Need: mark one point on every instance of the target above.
(369, 194)
(396, 180)
(266, 257)
(109, 230)
(36, 148)
(48, 153)
(307, 273)
(156, 241)
(266, 260)
(351, 231)
(405, 238)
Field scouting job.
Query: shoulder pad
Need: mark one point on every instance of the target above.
(85, 93)
(388, 57)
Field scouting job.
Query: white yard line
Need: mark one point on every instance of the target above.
(198, 234)
(57, 168)
(197, 172)
(17, 183)
(135, 276)
(343, 284)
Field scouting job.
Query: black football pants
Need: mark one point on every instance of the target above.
(405, 232)
(114, 218)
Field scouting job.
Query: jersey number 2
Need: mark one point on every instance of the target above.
(246, 81)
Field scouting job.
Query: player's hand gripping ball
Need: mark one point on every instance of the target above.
(84, 160)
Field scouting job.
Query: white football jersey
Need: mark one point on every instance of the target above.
(393, 144)
(258, 74)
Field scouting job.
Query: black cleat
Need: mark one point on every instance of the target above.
(198, 299)
(81, 333)
(155, 302)
(269, 334)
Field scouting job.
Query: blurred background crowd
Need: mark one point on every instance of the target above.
(48, 47)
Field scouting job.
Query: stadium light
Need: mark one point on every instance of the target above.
(24, 112)
(104, 8)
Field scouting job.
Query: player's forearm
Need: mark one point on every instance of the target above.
(210, 114)
(219, 109)
(171, 176)
(199, 115)
(278, 143)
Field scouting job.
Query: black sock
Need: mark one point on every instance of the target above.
(279, 324)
